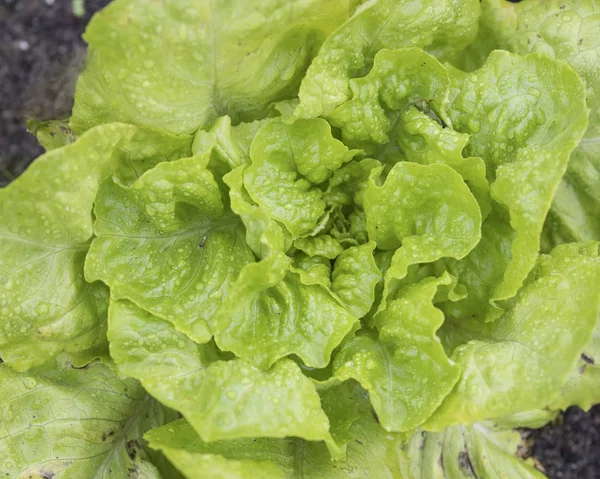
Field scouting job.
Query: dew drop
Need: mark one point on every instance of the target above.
(29, 383)
(474, 125)
(232, 395)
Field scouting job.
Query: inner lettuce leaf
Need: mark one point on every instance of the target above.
(264, 235)
(274, 311)
(59, 421)
(423, 213)
(312, 269)
(322, 245)
(232, 142)
(398, 79)
(288, 161)
(46, 305)
(425, 140)
(354, 278)
(180, 64)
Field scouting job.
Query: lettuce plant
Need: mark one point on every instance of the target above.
(307, 238)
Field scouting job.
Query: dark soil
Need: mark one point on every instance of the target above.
(41, 54)
(570, 448)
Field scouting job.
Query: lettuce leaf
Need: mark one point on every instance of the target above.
(525, 134)
(349, 51)
(566, 31)
(46, 305)
(274, 311)
(178, 65)
(460, 452)
(66, 422)
(370, 452)
(405, 369)
(167, 243)
(287, 164)
(221, 399)
(522, 359)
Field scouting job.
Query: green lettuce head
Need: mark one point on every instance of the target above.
(307, 238)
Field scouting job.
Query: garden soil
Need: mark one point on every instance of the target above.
(41, 54)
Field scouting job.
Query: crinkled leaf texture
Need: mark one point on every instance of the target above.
(405, 369)
(274, 310)
(444, 26)
(525, 133)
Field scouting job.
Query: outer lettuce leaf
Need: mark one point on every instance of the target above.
(533, 419)
(583, 384)
(322, 245)
(288, 160)
(426, 211)
(274, 311)
(582, 388)
(264, 235)
(567, 31)
(220, 399)
(460, 452)
(521, 361)
(239, 459)
(232, 148)
(46, 306)
(167, 244)
(525, 134)
(58, 421)
(370, 453)
(180, 64)
(405, 370)
(349, 52)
